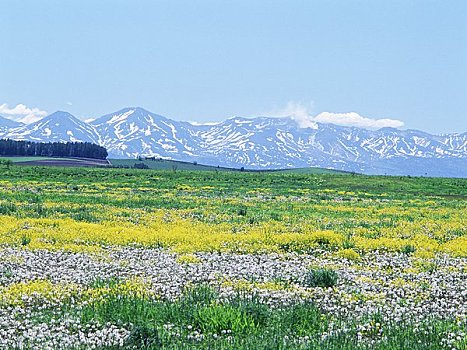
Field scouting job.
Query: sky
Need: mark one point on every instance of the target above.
(362, 63)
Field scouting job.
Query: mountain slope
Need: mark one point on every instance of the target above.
(259, 143)
(56, 127)
(134, 131)
(7, 124)
(271, 143)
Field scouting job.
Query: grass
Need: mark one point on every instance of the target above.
(286, 212)
(314, 170)
(165, 164)
(41, 160)
(25, 159)
(339, 216)
(325, 278)
(200, 320)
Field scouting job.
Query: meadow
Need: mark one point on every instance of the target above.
(171, 259)
(167, 164)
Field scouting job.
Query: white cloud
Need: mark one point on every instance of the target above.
(355, 119)
(298, 112)
(301, 114)
(22, 113)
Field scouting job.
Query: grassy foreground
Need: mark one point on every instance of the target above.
(123, 258)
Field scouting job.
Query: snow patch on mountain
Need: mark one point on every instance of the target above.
(259, 143)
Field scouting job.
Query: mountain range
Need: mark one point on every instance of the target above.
(256, 143)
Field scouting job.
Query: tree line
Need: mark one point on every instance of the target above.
(52, 149)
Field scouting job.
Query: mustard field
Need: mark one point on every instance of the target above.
(145, 259)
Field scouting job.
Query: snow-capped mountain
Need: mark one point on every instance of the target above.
(259, 143)
(56, 127)
(134, 131)
(7, 124)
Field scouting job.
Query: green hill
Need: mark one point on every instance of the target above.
(165, 164)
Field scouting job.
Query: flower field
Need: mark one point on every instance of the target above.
(142, 259)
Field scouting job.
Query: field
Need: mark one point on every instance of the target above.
(165, 164)
(154, 164)
(55, 161)
(25, 159)
(146, 259)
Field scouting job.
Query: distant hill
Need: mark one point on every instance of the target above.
(165, 164)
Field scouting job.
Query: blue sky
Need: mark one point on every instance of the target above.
(209, 60)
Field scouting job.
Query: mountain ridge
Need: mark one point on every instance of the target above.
(257, 143)
(6, 124)
(58, 126)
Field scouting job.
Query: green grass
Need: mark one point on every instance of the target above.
(321, 278)
(164, 164)
(239, 323)
(35, 159)
(241, 200)
(74, 192)
(26, 159)
(313, 170)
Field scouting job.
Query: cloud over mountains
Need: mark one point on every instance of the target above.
(355, 119)
(22, 113)
(301, 113)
